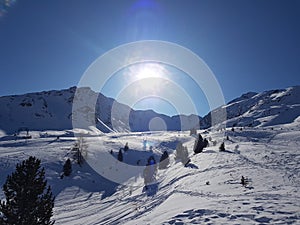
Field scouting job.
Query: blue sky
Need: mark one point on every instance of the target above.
(249, 45)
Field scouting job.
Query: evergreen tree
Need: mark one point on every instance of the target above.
(126, 148)
(120, 156)
(164, 160)
(206, 144)
(222, 147)
(28, 199)
(200, 144)
(67, 168)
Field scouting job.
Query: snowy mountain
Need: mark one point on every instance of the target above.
(52, 110)
(261, 109)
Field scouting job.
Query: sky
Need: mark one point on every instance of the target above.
(248, 45)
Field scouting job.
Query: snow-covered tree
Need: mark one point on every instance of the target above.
(150, 171)
(182, 154)
(28, 198)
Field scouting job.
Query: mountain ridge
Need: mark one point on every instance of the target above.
(52, 110)
(253, 109)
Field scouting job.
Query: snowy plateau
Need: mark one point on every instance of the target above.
(263, 147)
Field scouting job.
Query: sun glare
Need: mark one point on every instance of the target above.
(147, 70)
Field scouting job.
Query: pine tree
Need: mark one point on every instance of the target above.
(126, 148)
(164, 160)
(120, 156)
(67, 169)
(28, 199)
(222, 147)
(200, 144)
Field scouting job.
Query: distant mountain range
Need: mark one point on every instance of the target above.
(52, 110)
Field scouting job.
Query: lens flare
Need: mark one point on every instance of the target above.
(5, 5)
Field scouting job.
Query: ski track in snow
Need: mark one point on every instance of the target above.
(269, 158)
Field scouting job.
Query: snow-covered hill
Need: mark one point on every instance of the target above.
(208, 191)
(52, 110)
(261, 109)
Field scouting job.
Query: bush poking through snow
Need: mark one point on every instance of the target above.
(244, 181)
(28, 198)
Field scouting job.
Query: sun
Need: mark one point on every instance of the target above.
(147, 70)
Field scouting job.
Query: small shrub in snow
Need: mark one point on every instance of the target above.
(244, 181)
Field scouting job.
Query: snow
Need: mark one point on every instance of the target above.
(264, 148)
(268, 108)
(268, 157)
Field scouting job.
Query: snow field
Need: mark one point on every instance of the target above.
(267, 157)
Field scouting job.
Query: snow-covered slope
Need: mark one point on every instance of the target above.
(268, 157)
(262, 109)
(52, 110)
